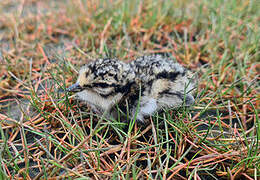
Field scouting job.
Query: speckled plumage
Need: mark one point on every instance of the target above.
(102, 83)
(165, 84)
(105, 83)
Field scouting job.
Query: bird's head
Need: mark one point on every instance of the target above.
(103, 76)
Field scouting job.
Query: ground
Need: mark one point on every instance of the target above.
(47, 134)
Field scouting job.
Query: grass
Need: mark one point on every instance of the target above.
(48, 135)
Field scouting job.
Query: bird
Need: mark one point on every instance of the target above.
(102, 83)
(164, 84)
(140, 88)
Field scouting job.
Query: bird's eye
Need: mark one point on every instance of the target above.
(102, 85)
(110, 74)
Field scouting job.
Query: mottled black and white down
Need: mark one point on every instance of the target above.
(164, 84)
(155, 82)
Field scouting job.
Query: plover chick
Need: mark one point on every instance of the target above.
(102, 83)
(164, 84)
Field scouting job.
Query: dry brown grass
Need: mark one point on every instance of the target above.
(45, 134)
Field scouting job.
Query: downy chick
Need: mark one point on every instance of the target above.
(102, 83)
(164, 84)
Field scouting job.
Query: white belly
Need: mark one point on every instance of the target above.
(95, 99)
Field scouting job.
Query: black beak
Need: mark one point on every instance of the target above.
(74, 88)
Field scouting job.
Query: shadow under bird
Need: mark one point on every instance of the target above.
(154, 82)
